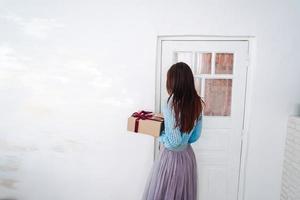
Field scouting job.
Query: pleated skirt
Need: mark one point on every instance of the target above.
(173, 176)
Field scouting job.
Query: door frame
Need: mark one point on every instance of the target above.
(248, 93)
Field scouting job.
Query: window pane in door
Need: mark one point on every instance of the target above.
(198, 85)
(203, 63)
(217, 97)
(185, 57)
(224, 63)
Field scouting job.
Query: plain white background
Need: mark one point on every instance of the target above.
(72, 71)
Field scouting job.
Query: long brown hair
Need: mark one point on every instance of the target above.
(186, 102)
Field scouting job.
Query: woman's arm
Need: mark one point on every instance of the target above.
(170, 137)
(196, 132)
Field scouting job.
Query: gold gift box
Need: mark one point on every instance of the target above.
(152, 126)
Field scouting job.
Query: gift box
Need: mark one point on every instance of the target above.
(146, 122)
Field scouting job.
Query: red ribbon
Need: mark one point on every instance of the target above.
(143, 115)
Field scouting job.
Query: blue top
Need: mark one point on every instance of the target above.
(172, 138)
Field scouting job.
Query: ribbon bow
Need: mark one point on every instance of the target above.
(142, 115)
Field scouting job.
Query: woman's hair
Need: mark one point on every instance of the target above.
(186, 102)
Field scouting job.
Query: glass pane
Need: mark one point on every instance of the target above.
(185, 57)
(203, 63)
(218, 97)
(224, 63)
(198, 85)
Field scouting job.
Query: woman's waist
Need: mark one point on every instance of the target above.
(181, 147)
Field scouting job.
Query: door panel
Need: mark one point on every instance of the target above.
(220, 70)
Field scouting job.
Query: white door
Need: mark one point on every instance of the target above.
(220, 71)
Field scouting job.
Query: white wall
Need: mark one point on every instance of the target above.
(71, 72)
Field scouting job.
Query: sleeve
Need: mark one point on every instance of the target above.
(162, 134)
(196, 131)
(170, 137)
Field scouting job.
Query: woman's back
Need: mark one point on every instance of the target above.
(173, 138)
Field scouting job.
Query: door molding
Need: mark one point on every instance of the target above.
(248, 93)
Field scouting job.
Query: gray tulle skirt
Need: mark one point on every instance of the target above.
(173, 176)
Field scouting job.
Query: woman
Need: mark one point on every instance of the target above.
(174, 174)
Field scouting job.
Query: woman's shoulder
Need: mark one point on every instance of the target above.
(166, 109)
(166, 104)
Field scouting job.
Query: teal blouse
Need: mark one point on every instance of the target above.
(174, 139)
